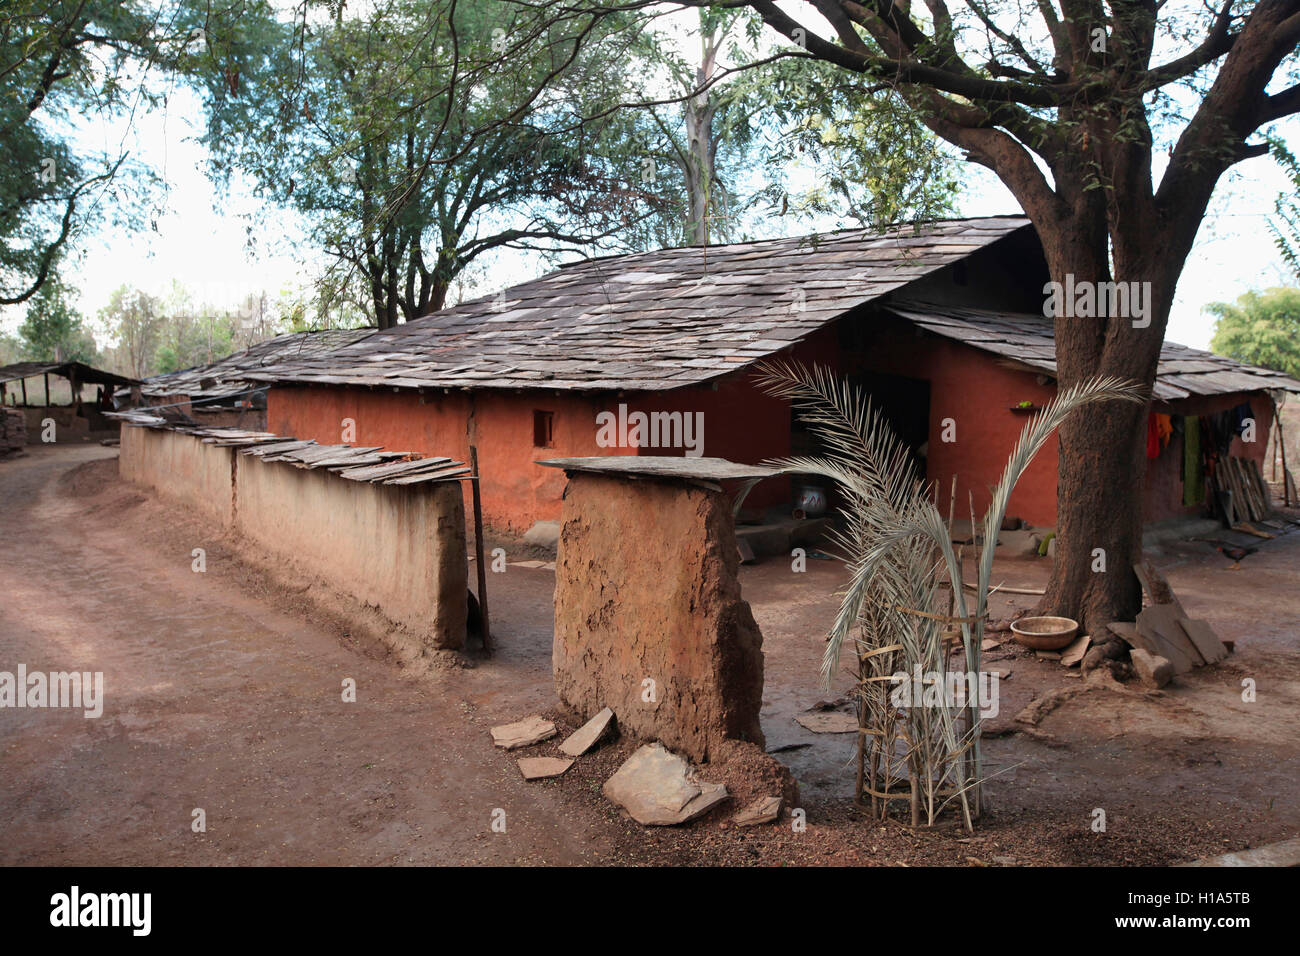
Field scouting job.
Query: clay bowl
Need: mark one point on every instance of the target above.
(1045, 633)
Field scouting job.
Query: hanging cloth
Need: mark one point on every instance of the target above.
(1193, 476)
(1164, 428)
(1239, 416)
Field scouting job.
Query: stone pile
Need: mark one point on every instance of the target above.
(655, 786)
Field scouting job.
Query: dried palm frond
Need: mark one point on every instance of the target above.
(897, 543)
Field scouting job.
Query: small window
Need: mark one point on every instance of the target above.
(544, 429)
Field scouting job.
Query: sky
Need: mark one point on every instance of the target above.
(200, 237)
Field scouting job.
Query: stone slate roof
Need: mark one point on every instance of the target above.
(650, 321)
(1028, 340)
(86, 374)
(229, 375)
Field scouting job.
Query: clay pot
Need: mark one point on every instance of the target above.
(1045, 633)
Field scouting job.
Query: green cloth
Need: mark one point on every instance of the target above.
(1193, 476)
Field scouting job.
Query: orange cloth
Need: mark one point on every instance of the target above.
(1164, 429)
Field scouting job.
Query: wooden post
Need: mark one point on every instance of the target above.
(47, 390)
(1281, 444)
(478, 549)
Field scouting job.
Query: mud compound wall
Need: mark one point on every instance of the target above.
(180, 467)
(398, 548)
(646, 591)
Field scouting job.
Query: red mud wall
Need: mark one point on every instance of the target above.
(646, 590)
(967, 386)
(741, 423)
(738, 424)
(516, 492)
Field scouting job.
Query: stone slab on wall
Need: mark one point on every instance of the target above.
(646, 588)
(398, 548)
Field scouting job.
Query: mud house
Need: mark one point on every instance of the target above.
(942, 322)
(220, 393)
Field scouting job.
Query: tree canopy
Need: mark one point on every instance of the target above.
(1262, 328)
(53, 330)
(1111, 125)
(417, 138)
(62, 63)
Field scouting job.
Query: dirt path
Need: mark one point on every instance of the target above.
(215, 700)
(223, 692)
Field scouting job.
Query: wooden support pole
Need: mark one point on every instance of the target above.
(478, 549)
(47, 390)
(1281, 444)
(23, 383)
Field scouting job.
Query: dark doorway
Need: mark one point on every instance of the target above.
(905, 404)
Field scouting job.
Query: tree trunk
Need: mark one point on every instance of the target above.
(1099, 505)
(1102, 448)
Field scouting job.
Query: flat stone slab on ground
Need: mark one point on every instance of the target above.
(657, 787)
(545, 534)
(1074, 652)
(762, 810)
(1286, 853)
(828, 722)
(540, 768)
(523, 733)
(588, 735)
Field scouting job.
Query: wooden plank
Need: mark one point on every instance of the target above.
(1205, 640)
(1129, 633)
(1160, 624)
(1225, 474)
(653, 466)
(1258, 500)
(1261, 486)
(238, 442)
(1243, 483)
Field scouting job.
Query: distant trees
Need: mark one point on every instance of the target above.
(133, 320)
(64, 61)
(405, 179)
(757, 140)
(152, 334)
(1262, 328)
(53, 330)
(418, 138)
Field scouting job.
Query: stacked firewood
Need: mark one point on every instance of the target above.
(13, 432)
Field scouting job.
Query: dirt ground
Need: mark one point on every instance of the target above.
(223, 693)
